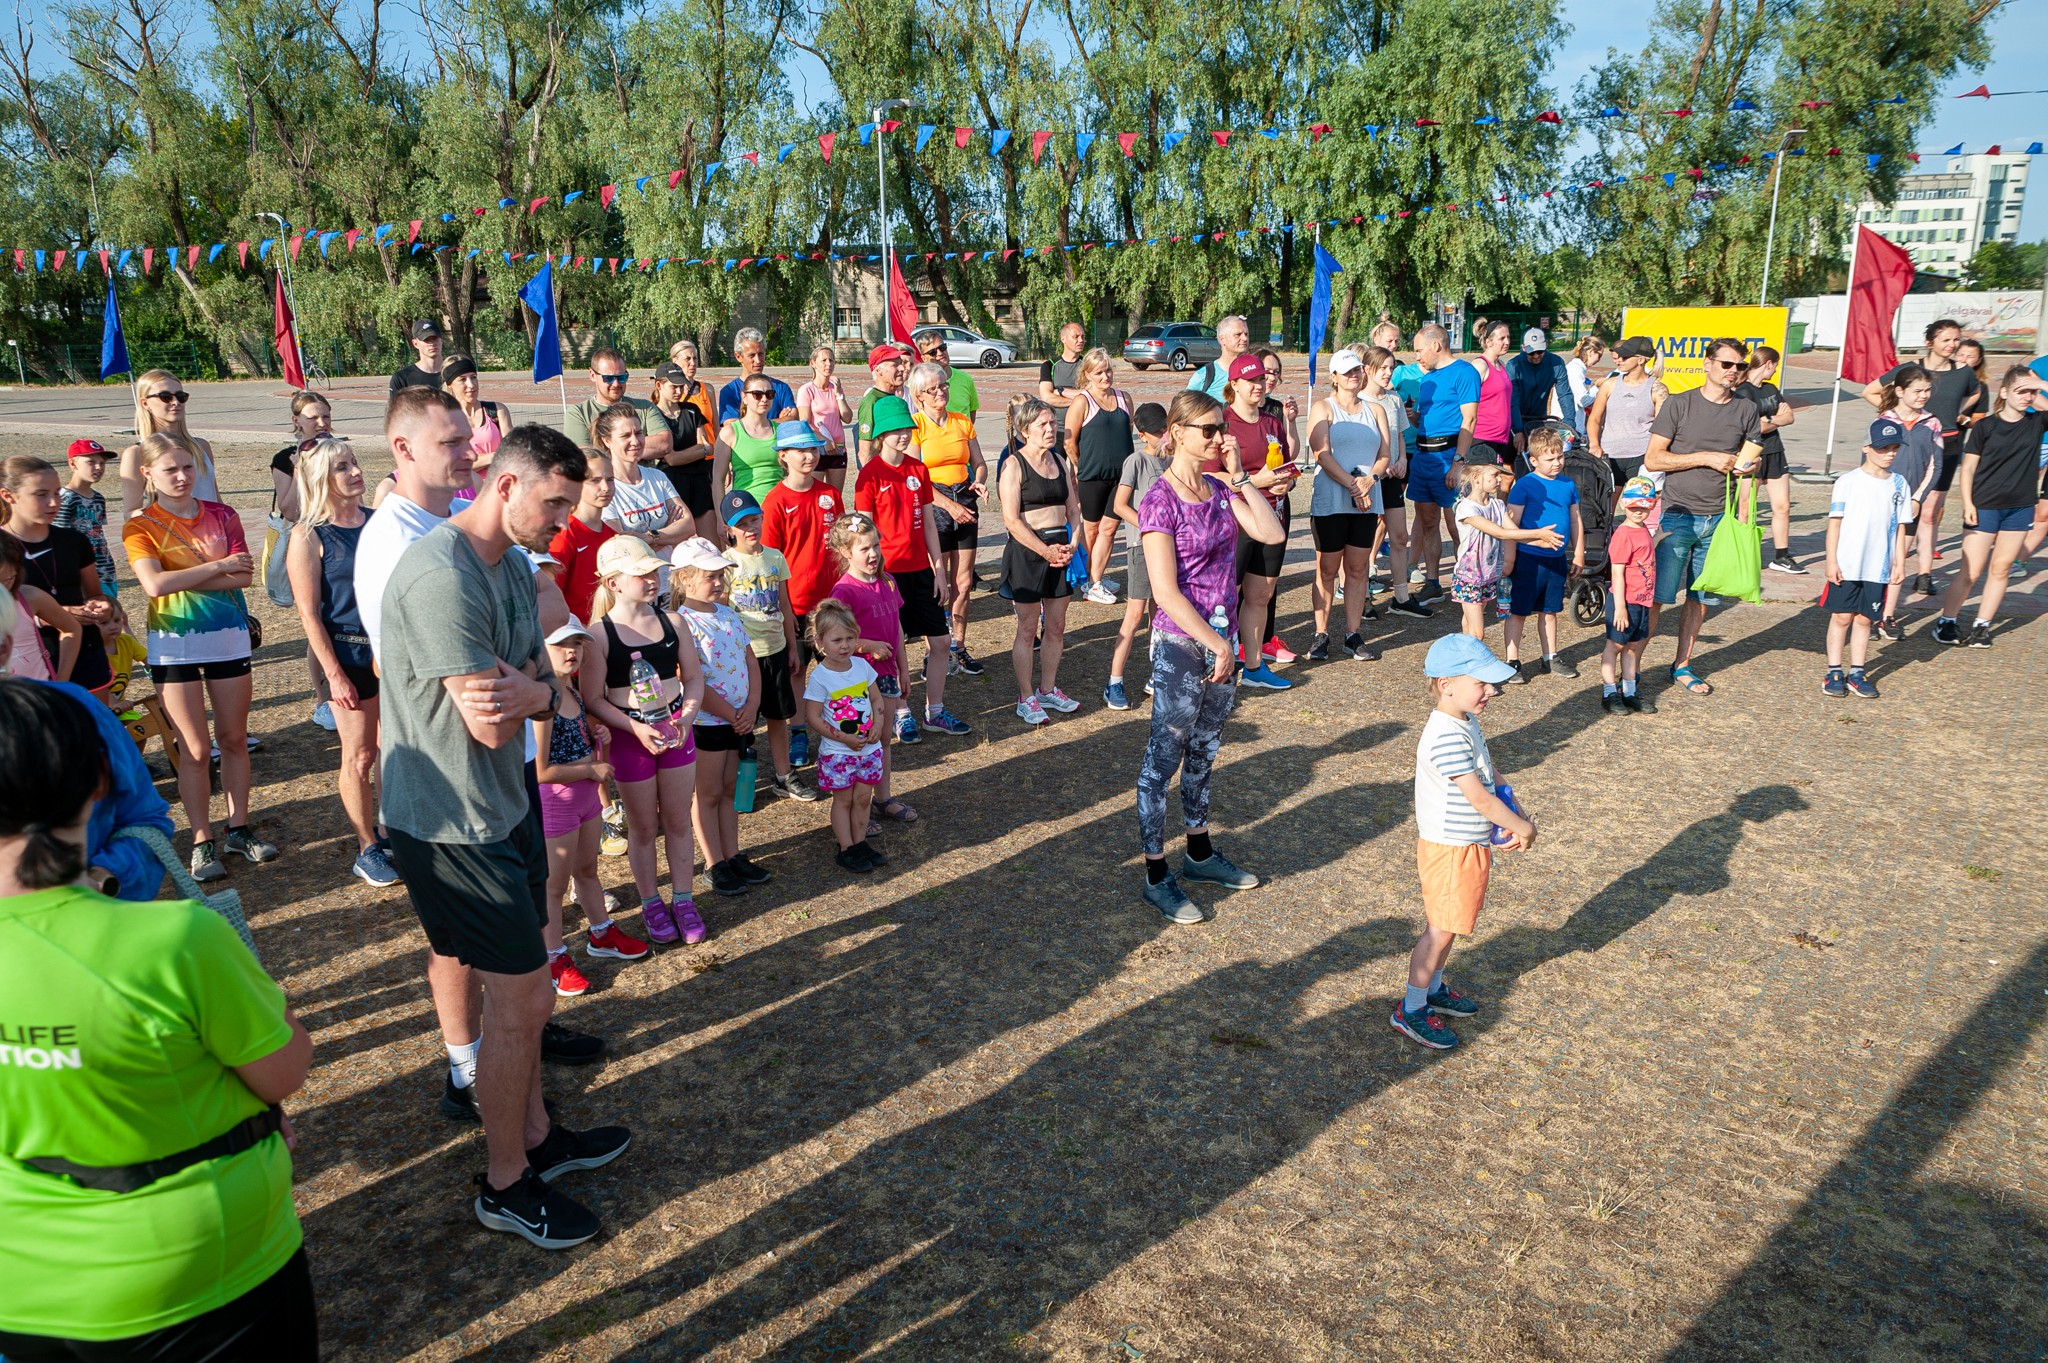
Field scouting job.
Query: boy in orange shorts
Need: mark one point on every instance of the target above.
(1455, 813)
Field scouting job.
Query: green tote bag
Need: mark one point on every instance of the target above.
(1735, 556)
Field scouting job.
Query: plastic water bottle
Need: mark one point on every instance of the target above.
(647, 702)
(1506, 792)
(743, 784)
(1219, 620)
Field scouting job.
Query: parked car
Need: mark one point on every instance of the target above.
(1177, 345)
(965, 350)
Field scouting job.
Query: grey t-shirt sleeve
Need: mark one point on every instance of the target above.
(1132, 471)
(445, 615)
(576, 425)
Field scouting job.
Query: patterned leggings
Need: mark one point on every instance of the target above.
(1187, 727)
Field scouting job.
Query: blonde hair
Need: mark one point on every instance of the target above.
(846, 531)
(691, 580)
(832, 613)
(925, 376)
(824, 348)
(1011, 422)
(1469, 476)
(315, 477)
(1096, 358)
(146, 424)
(1588, 346)
(1545, 440)
(152, 448)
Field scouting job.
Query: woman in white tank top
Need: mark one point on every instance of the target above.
(1350, 442)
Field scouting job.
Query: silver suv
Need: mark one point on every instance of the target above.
(1177, 345)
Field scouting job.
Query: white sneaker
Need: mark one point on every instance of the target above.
(323, 715)
(1101, 593)
(1114, 587)
(1059, 700)
(1030, 711)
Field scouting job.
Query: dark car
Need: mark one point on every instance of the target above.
(1177, 345)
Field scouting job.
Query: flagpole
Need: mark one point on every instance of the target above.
(1842, 355)
(561, 384)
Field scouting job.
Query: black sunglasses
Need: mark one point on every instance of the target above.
(172, 397)
(612, 378)
(1210, 430)
(760, 392)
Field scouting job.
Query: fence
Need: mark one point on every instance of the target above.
(81, 363)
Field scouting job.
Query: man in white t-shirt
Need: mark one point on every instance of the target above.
(1866, 555)
(429, 438)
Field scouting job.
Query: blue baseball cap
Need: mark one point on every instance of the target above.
(796, 435)
(1886, 433)
(737, 506)
(1461, 655)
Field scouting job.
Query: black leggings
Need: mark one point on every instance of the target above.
(273, 1321)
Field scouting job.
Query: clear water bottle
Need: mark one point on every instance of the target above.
(1506, 792)
(647, 702)
(1219, 620)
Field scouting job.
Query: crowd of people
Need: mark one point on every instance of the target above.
(542, 647)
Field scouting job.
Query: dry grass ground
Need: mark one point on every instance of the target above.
(1759, 1072)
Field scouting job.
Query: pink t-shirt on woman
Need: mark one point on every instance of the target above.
(824, 405)
(1492, 421)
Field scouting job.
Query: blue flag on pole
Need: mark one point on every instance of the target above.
(539, 295)
(113, 344)
(1327, 269)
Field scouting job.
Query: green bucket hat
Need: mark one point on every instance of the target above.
(890, 414)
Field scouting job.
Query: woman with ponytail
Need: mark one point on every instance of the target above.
(160, 403)
(140, 1132)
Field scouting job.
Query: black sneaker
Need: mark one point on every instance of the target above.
(1561, 668)
(1783, 563)
(1318, 649)
(871, 852)
(964, 662)
(850, 859)
(546, 1217)
(1411, 608)
(1945, 632)
(1355, 645)
(242, 843)
(1613, 703)
(1522, 671)
(725, 880)
(1639, 704)
(564, 1047)
(1924, 584)
(1431, 590)
(459, 1104)
(749, 872)
(1980, 635)
(565, 1151)
(1888, 628)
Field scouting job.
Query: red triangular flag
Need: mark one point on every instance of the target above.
(1222, 138)
(19, 253)
(1914, 157)
(415, 233)
(1981, 92)
(1038, 141)
(297, 242)
(1879, 279)
(531, 209)
(746, 261)
(1836, 151)
(1548, 116)
(242, 250)
(1679, 113)
(353, 233)
(674, 177)
(1427, 123)
(962, 136)
(1316, 131)
(825, 142)
(1011, 251)
(282, 335)
(108, 270)
(1126, 141)
(191, 257)
(479, 211)
(1815, 103)
(615, 264)
(607, 194)
(964, 258)
(579, 263)
(62, 254)
(891, 125)
(752, 158)
(1991, 150)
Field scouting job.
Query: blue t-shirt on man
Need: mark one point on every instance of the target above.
(1439, 397)
(1548, 503)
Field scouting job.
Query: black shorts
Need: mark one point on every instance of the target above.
(694, 487)
(805, 649)
(1910, 529)
(192, 672)
(718, 738)
(1346, 530)
(1262, 559)
(363, 679)
(1626, 624)
(1394, 492)
(1951, 460)
(276, 1321)
(778, 694)
(956, 535)
(922, 615)
(1098, 495)
(1854, 598)
(1773, 465)
(831, 459)
(481, 903)
(1624, 469)
(1029, 578)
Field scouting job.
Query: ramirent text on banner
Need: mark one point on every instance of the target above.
(1682, 335)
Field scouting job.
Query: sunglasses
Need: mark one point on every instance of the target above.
(1210, 430)
(612, 378)
(172, 397)
(1726, 364)
(305, 445)
(760, 392)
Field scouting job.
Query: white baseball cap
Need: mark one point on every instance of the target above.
(1345, 362)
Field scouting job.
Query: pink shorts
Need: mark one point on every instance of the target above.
(566, 808)
(842, 771)
(632, 763)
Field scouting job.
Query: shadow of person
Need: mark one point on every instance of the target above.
(1881, 1263)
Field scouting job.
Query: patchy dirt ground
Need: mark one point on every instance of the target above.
(1758, 1075)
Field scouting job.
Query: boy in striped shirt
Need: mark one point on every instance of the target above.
(1455, 813)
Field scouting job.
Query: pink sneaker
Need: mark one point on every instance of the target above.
(661, 927)
(693, 927)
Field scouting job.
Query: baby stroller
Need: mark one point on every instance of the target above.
(1595, 482)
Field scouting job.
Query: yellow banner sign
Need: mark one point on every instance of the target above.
(1683, 334)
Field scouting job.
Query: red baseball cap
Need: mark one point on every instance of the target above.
(1247, 366)
(79, 447)
(884, 353)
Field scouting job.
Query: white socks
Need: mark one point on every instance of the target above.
(462, 1063)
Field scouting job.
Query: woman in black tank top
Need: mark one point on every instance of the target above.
(1040, 505)
(1098, 440)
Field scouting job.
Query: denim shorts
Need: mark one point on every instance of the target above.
(1994, 522)
(1682, 553)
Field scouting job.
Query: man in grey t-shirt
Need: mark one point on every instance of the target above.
(1696, 441)
(463, 671)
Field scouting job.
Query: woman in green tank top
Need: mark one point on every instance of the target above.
(744, 460)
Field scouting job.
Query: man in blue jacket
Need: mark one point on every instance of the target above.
(1538, 375)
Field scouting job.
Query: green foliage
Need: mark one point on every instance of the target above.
(2006, 265)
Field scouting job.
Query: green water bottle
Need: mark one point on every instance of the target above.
(743, 784)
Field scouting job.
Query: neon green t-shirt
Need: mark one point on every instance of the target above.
(960, 394)
(120, 1027)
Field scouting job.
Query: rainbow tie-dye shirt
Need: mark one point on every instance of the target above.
(191, 627)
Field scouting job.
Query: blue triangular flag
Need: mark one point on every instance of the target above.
(122, 263)
(263, 249)
(447, 217)
(641, 184)
(1477, 122)
(1956, 150)
(1609, 112)
(571, 197)
(382, 228)
(215, 251)
(866, 130)
(596, 264)
(1372, 130)
(1083, 141)
(711, 170)
(1743, 104)
(782, 152)
(2034, 149)
(113, 344)
(1870, 161)
(729, 264)
(416, 247)
(1327, 269)
(1270, 133)
(473, 253)
(1171, 140)
(506, 203)
(1670, 177)
(539, 297)
(996, 138)
(924, 135)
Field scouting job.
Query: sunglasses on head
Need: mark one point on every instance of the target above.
(612, 378)
(172, 397)
(311, 441)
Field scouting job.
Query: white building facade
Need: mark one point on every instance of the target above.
(1942, 216)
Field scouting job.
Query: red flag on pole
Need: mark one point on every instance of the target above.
(1880, 277)
(902, 308)
(105, 268)
(286, 338)
(675, 177)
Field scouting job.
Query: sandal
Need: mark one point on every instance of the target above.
(874, 829)
(1690, 680)
(897, 809)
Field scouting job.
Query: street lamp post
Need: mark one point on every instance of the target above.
(882, 196)
(1763, 293)
(20, 375)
